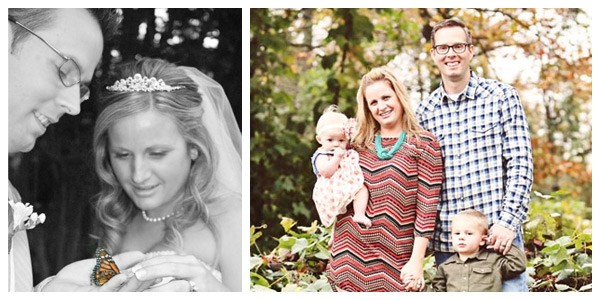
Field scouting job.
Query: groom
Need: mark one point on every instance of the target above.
(52, 57)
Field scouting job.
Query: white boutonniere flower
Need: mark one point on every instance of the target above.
(23, 218)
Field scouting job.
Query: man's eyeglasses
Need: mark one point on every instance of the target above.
(457, 48)
(69, 72)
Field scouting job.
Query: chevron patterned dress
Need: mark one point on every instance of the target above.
(403, 197)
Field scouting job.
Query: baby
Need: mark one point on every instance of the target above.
(339, 177)
(475, 268)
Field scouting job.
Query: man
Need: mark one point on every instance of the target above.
(483, 132)
(52, 57)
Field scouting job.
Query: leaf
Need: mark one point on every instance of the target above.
(564, 274)
(542, 195)
(256, 261)
(261, 288)
(320, 285)
(562, 287)
(287, 223)
(310, 230)
(287, 242)
(323, 252)
(300, 245)
(258, 279)
(254, 237)
(324, 255)
(564, 241)
(551, 248)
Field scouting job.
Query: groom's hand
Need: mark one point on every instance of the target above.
(75, 277)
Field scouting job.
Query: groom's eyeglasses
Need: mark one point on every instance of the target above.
(457, 48)
(69, 72)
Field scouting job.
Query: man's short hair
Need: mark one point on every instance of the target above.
(35, 18)
(450, 23)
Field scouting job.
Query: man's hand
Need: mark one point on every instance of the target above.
(500, 238)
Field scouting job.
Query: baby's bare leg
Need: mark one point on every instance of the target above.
(360, 206)
(330, 243)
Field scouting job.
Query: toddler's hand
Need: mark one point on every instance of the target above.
(339, 152)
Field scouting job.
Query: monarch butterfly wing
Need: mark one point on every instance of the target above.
(105, 267)
(109, 265)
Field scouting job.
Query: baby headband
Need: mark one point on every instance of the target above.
(329, 127)
(141, 84)
(349, 127)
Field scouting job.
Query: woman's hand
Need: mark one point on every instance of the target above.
(182, 273)
(412, 276)
(75, 277)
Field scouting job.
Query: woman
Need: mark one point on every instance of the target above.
(167, 152)
(402, 167)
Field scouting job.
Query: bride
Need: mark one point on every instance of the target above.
(168, 155)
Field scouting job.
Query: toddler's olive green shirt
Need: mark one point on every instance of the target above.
(481, 273)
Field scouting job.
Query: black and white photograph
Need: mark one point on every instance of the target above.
(138, 187)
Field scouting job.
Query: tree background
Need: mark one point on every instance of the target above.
(303, 60)
(57, 177)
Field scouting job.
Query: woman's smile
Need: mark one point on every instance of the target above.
(144, 191)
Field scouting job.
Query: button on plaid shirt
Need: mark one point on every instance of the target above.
(486, 147)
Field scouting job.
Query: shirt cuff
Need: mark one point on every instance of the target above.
(509, 221)
(40, 287)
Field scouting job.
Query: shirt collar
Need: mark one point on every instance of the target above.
(469, 91)
(481, 255)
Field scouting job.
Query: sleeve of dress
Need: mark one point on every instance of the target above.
(430, 172)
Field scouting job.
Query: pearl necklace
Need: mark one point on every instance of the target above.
(387, 154)
(158, 219)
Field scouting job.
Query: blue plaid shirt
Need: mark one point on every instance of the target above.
(486, 147)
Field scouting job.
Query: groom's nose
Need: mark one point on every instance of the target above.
(69, 100)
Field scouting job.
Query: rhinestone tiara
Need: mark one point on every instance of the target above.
(137, 83)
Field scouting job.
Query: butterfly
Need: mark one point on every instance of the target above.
(105, 268)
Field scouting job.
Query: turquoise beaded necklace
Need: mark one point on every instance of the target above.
(387, 154)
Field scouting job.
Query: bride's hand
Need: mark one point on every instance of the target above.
(186, 272)
(75, 277)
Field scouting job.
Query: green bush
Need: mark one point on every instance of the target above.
(558, 240)
(296, 264)
(558, 243)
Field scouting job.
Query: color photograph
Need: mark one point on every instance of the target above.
(421, 149)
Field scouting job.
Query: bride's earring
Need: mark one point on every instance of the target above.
(194, 154)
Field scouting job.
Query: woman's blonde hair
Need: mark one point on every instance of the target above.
(367, 126)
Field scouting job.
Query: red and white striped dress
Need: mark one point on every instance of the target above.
(403, 197)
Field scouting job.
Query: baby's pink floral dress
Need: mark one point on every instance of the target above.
(332, 195)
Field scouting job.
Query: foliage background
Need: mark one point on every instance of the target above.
(57, 177)
(305, 59)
